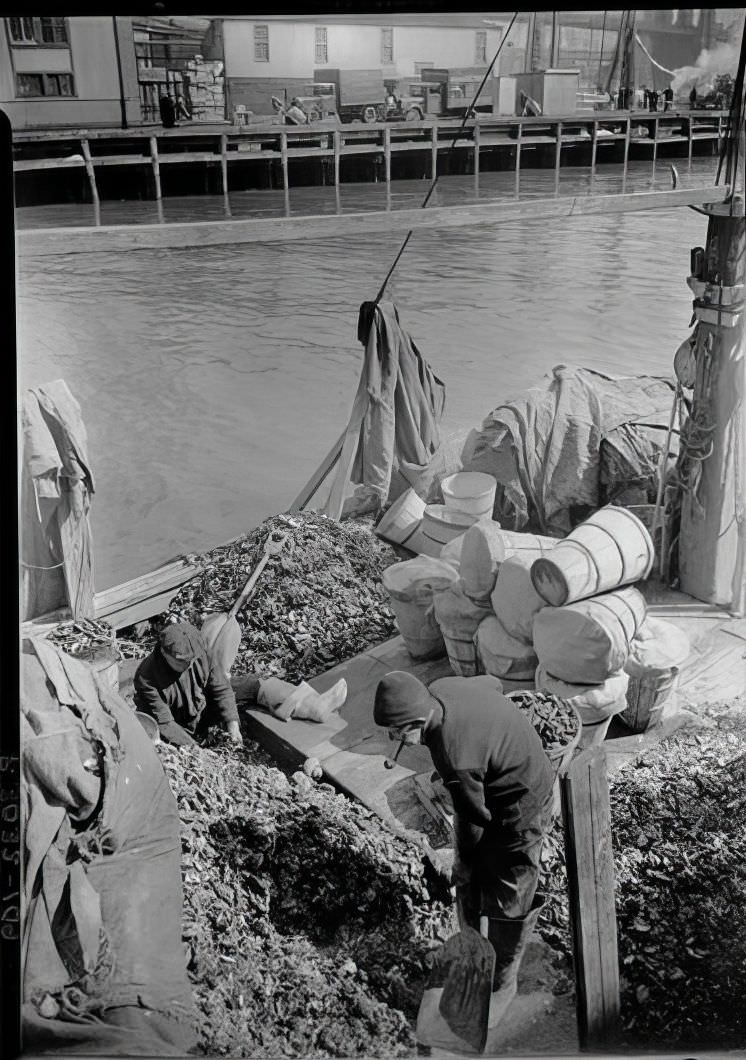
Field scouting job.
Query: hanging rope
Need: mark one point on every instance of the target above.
(652, 60)
(601, 53)
(470, 107)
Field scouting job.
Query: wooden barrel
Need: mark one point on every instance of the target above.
(411, 587)
(400, 522)
(462, 655)
(514, 542)
(472, 492)
(587, 641)
(610, 549)
(646, 697)
(441, 525)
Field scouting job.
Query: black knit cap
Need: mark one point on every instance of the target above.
(400, 700)
(181, 640)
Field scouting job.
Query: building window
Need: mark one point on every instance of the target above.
(480, 46)
(261, 44)
(28, 85)
(53, 30)
(25, 30)
(321, 52)
(387, 45)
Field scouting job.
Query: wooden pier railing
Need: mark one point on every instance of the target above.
(222, 146)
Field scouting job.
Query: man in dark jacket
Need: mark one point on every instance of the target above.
(184, 685)
(492, 762)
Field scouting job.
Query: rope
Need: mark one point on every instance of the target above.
(33, 566)
(601, 53)
(470, 107)
(653, 61)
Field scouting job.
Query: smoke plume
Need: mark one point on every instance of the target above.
(722, 59)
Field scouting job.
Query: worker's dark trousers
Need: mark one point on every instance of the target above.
(501, 876)
(245, 689)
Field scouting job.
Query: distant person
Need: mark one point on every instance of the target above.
(295, 114)
(693, 97)
(643, 98)
(168, 111)
(652, 100)
(182, 111)
(667, 98)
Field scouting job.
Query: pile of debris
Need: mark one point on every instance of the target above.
(317, 603)
(679, 825)
(307, 923)
(679, 833)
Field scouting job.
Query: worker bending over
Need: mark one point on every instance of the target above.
(185, 685)
(492, 763)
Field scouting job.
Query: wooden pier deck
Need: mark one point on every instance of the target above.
(222, 146)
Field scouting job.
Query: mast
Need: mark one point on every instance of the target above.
(711, 467)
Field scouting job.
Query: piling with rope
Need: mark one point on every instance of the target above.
(712, 463)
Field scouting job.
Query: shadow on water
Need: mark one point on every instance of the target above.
(213, 381)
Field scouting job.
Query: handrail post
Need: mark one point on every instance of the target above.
(655, 141)
(477, 136)
(434, 151)
(337, 155)
(224, 162)
(90, 170)
(627, 138)
(284, 160)
(691, 139)
(594, 145)
(518, 141)
(156, 166)
(387, 152)
(557, 157)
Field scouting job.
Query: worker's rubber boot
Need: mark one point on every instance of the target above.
(306, 703)
(509, 937)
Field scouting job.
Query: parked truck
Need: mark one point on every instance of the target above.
(451, 91)
(359, 95)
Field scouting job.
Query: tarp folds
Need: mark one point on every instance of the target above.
(395, 423)
(103, 963)
(544, 449)
(57, 484)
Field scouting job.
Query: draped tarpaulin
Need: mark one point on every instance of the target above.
(544, 448)
(395, 421)
(56, 488)
(103, 965)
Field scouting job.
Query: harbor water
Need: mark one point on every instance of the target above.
(213, 381)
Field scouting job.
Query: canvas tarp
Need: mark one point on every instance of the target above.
(544, 448)
(103, 964)
(56, 488)
(395, 423)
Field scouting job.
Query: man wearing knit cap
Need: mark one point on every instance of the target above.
(492, 763)
(185, 685)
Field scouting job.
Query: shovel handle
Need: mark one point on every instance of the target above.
(271, 548)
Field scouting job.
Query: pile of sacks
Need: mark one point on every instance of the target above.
(561, 614)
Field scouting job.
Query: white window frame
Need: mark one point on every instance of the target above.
(320, 46)
(480, 47)
(261, 42)
(387, 45)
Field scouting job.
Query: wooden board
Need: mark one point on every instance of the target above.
(108, 238)
(590, 874)
(142, 597)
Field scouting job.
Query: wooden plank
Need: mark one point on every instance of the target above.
(337, 155)
(24, 165)
(224, 163)
(318, 476)
(145, 585)
(284, 157)
(189, 156)
(590, 875)
(518, 143)
(90, 170)
(218, 233)
(156, 166)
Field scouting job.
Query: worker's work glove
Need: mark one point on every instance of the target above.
(173, 733)
(234, 733)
